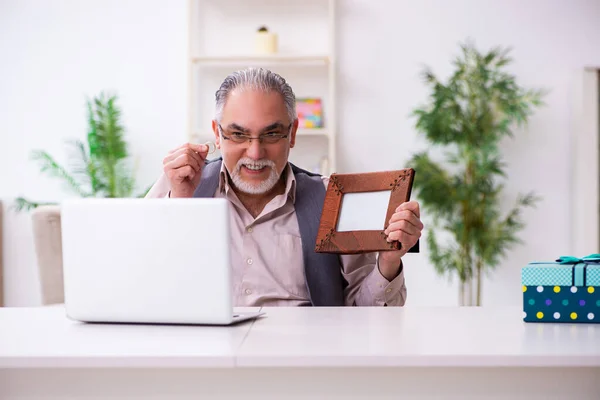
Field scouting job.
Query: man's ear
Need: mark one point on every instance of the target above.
(293, 133)
(215, 128)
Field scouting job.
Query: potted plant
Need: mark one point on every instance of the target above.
(466, 118)
(97, 168)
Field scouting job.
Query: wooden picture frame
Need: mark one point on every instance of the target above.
(331, 239)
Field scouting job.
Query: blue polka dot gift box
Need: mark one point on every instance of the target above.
(565, 290)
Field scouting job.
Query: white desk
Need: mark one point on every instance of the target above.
(349, 353)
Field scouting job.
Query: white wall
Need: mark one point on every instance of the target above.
(54, 54)
(57, 52)
(383, 45)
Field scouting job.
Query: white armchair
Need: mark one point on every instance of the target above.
(47, 235)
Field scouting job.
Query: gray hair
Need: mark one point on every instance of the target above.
(257, 79)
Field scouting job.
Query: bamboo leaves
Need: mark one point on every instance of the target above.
(468, 116)
(98, 168)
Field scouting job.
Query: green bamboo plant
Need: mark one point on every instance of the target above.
(98, 168)
(464, 121)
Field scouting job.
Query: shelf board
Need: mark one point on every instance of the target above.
(275, 59)
(311, 132)
(299, 132)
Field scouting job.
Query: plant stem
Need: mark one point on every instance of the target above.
(466, 242)
(479, 268)
(112, 181)
(470, 291)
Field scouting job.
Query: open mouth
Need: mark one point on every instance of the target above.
(254, 169)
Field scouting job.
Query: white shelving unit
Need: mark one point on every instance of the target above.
(221, 40)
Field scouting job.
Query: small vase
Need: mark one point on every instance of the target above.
(266, 43)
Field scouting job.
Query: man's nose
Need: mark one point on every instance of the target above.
(255, 149)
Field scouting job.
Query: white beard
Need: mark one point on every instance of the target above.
(251, 188)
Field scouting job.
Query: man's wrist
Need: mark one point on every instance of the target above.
(390, 266)
(180, 195)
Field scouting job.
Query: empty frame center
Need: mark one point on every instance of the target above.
(363, 211)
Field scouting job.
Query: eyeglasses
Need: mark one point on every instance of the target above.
(266, 138)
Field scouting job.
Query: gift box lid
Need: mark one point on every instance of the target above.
(565, 271)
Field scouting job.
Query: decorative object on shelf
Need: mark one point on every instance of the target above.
(310, 112)
(470, 115)
(266, 42)
(330, 237)
(565, 290)
(99, 169)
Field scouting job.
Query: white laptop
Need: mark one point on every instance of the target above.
(148, 261)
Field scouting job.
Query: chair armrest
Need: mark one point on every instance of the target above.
(47, 235)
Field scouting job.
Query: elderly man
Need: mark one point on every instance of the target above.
(276, 206)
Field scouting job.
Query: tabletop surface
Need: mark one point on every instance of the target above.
(302, 337)
(45, 337)
(391, 336)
